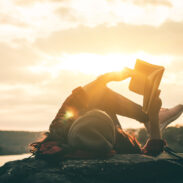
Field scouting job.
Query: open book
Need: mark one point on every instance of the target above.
(146, 81)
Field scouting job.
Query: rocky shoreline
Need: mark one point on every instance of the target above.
(120, 168)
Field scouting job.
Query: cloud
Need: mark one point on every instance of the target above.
(171, 94)
(29, 22)
(67, 14)
(35, 106)
(17, 57)
(176, 66)
(22, 76)
(136, 2)
(30, 99)
(8, 19)
(93, 13)
(30, 2)
(31, 19)
(153, 3)
(125, 38)
(15, 63)
(174, 76)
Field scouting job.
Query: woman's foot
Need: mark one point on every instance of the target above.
(166, 116)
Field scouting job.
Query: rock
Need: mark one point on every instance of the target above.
(129, 168)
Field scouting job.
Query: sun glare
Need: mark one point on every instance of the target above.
(95, 64)
(99, 64)
(69, 114)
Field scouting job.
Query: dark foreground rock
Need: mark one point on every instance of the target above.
(120, 168)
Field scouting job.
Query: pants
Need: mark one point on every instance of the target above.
(103, 99)
(92, 130)
(96, 132)
(113, 103)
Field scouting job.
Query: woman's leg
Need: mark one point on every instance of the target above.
(114, 103)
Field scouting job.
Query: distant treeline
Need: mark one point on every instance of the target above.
(172, 135)
(16, 142)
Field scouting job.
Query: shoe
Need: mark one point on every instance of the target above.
(166, 116)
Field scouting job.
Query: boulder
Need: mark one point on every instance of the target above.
(128, 168)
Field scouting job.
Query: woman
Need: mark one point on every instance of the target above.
(86, 125)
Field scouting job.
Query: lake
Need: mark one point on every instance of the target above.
(6, 158)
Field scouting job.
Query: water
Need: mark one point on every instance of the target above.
(6, 158)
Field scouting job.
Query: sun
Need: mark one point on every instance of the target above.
(95, 64)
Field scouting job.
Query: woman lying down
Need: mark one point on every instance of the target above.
(86, 126)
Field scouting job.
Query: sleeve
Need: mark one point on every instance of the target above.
(61, 124)
(77, 100)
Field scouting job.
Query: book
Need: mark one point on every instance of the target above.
(145, 81)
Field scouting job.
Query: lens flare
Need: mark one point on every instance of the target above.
(68, 114)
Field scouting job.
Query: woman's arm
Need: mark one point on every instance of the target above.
(95, 88)
(154, 128)
(155, 144)
(102, 80)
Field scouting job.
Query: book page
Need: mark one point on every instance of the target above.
(151, 88)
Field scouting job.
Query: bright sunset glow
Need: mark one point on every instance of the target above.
(48, 48)
(97, 64)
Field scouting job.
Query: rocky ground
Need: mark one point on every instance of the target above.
(119, 168)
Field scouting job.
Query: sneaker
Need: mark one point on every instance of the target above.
(166, 116)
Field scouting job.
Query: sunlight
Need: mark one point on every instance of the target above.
(68, 114)
(98, 64)
(94, 64)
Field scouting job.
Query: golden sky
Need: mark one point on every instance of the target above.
(49, 47)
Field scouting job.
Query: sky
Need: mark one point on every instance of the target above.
(49, 47)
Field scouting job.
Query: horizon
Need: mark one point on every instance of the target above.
(43, 131)
(50, 47)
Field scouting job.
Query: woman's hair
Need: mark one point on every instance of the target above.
(34, 147)
(57, 132)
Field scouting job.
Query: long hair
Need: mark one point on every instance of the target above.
(58, 131)
(34, 147)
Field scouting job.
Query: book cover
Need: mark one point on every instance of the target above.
(146, 81)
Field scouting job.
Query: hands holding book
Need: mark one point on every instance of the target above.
(145, 80)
